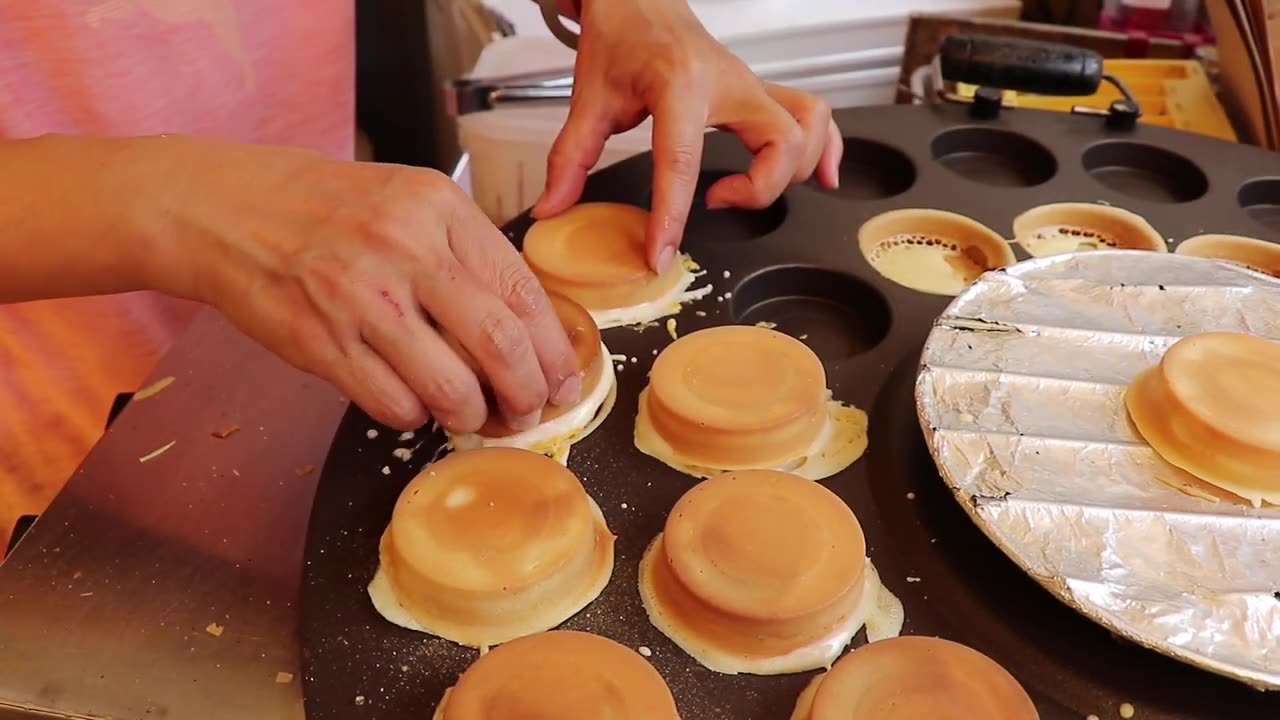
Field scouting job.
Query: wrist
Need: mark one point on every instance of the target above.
(143, 180)
(76, 219)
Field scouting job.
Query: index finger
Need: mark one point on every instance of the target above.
(494, 261)
(677, 156)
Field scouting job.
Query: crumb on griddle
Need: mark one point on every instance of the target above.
(157, 453)
(154, 388)
(284, 678)
(305, 470)
(224, 434)
(214, 629)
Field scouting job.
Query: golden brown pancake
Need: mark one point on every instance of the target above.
(595, 254)
(1252, 253)
(759, 571)
(911, 678)
(1212, 407)
(492, 544)
(736, 396)
(742, 397)
(1070, 227)
(559, 675)
(585, 338)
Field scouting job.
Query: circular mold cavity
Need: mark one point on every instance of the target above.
(873, 171)
(1252, 253)
(837, 315)
(932, 251)
(1070, 227)
(1145, 172)
(994, 157)
(730, 224)
(1261, 200)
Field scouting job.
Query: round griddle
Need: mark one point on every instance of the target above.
(797, 264)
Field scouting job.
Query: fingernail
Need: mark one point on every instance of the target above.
(570, 391)
(665, 258)
(527, 422)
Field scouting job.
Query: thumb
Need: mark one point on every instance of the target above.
(576, 150)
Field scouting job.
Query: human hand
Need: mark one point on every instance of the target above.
(637, 59)
(358, 272)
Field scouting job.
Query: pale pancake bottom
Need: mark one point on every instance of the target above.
(383, 594)
(937, 267)
(842, 441)
(669, 303)
(878, 609)
(555, 437)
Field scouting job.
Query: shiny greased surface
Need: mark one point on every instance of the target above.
(210, 532)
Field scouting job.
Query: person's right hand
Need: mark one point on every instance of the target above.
(356, 272)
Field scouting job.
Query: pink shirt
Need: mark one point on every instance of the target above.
(275, 72)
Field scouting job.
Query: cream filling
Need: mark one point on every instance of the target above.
(555, 437)
(383, 594)
(839, 444)
(878, 609)
(669, 303)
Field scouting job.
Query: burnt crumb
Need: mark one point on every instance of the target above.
(1276, 595)
(979, 499)
(1160, 286)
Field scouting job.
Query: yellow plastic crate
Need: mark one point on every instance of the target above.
(1173, 93)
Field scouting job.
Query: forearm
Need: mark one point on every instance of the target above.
(80, 216)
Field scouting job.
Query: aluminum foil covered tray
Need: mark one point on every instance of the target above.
(1021, 395)
(1096, 585)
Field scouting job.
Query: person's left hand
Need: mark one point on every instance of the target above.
(638, 58)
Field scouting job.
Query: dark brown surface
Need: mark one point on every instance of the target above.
(798, 264)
